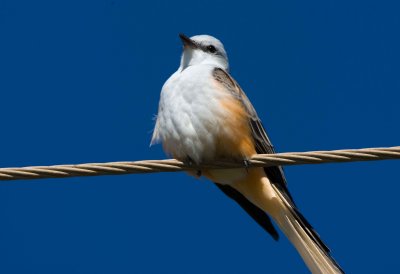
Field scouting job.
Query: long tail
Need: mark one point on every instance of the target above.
(314, 252)
(276, 203)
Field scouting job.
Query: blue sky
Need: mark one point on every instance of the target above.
(80, 82)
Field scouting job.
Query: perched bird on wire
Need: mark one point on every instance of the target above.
(204, 116)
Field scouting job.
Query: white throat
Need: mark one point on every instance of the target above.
(193, 57)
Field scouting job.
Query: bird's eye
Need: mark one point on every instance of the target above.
(211, 49)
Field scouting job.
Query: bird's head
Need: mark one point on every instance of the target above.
(202, 50)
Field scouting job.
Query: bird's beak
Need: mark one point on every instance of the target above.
(187, 42)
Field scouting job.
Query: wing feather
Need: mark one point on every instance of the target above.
(264, 145)
(257, 214)
(261, 140)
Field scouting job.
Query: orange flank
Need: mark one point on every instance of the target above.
(235, 140)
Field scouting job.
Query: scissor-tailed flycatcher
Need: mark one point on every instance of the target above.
(203, 116)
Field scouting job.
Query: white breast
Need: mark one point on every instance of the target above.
(189, 116)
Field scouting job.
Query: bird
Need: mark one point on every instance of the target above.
(205, 116)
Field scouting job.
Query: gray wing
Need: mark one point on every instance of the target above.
(263, 145)
(261, 140)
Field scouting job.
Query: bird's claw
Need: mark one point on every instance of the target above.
(190, 163)
(246, 163)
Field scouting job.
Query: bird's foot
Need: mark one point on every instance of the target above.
(246, 163)
(198, 173)
(189, 161)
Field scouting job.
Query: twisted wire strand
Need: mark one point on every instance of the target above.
(170, 165)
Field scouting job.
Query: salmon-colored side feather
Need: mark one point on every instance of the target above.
(235, 139)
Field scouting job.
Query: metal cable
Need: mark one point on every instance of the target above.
(150, 166)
